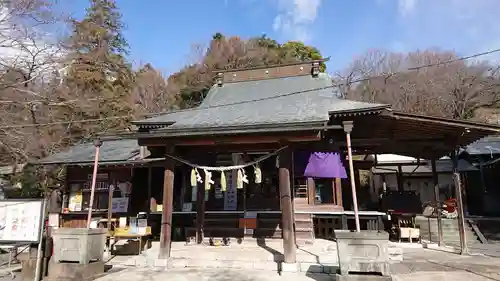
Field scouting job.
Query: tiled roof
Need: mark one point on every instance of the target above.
(298, 99)
(110, 151)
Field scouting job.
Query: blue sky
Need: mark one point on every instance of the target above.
(165, 32)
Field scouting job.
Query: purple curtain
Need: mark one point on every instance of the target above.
(325, 165)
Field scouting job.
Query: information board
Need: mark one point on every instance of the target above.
(20, 220)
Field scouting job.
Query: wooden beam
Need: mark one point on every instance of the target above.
(311, 191)
(464, 249)
(289, 248)
(228, 148)
(166, 214)
(150, 180)
(435, 179)
(338, 191)
(200, 212)
(110, 202)
(185, 173)
(400, 178)
(334, 193)
(348, 126)
(221, 140)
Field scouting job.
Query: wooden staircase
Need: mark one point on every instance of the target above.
(304, 229)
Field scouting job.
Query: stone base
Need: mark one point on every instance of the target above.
(364, 252)
(353, 277)
(75, 271)
(288, 267)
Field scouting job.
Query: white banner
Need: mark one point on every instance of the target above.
(231, 195)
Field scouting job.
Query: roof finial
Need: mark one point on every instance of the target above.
(315, 69)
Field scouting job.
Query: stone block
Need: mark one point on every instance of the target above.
(130, 262)
(270, 265)
(311, 267)
(289, 267)
(215, 263)
(242, 265)
(75, 271)
(363, 252)
(28, 267)
(141, 262)
(177, 263)
(161, 263)
(330, 268)
(81, 245)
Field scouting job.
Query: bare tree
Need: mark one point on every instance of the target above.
(447, 87)
(150, 93)
(27, 60)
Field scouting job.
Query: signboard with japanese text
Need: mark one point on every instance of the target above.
(20, 220)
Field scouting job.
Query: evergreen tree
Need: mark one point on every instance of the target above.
(99, 74)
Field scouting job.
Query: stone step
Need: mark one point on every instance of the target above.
(435, 231)
(445, 233)
(310, 267)
(451, 238)
(451, 228)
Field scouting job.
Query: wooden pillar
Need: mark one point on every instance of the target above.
(289, 247)
(334, 193)
(311, 191)
(348, 125)
(150, 181)
(200, 212)
(438, 202)
(400, 178)
(112, 186)
(338, 191)
(460, 206)
(184, 186)
(166, 214)
(97, 145)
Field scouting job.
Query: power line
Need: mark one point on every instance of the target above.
(64, 122)
(45, 102)
(260, 99)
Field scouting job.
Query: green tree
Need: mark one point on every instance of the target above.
(301, 52)
(192, 83)
(98, 73)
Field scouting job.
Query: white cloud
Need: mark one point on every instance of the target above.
(295, 17)
(406, 7)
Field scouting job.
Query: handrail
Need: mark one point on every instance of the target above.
(477, 231)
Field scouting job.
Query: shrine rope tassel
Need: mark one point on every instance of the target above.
(223, 182)
(195, 177)
(258, 174)
(241, 175)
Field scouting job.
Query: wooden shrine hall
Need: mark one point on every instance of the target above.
(232, 162)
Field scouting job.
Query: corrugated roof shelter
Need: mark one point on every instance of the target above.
(442, 166)
(84, 153)
(489, 145)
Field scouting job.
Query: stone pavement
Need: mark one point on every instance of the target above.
(197, 274)
(418, 264)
